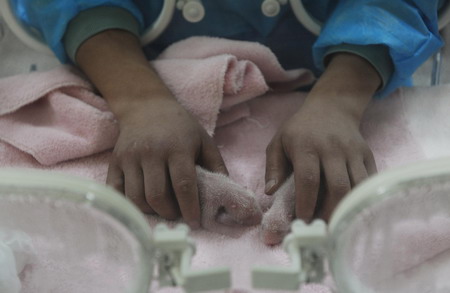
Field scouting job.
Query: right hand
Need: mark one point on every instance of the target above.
(153, 161)
(159, 143)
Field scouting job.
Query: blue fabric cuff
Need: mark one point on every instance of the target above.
(93, 21)
(407, 28)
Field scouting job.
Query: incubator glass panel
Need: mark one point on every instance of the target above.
(77, 243)
(397, 242)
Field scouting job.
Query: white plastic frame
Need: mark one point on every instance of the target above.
(375, 190)
(313, 236)
(163, 243)
(101, 197)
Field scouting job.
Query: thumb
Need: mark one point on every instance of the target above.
(277, 166)
(211, 158)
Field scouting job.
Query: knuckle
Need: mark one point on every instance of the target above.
(340, 188)
(309, 179)
(155, 198)
(133, 196)
(184, 185)
(303, 149)
(333, 146)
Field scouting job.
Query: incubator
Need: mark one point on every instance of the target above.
(390, 234)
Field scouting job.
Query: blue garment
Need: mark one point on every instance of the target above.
(407, 27)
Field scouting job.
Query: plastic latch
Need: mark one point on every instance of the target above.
(271, 8)
(193, 10)
(306, 247)
(174, 251)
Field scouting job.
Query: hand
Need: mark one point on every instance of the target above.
(320, 139)
(322, 142)
(154, 159)
(159, 143)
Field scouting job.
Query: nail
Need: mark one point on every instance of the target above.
(269, 185)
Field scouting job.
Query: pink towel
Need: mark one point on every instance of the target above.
(70, 130)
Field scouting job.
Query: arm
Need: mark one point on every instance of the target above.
(322, 142)
(159, 143)
(153, 161)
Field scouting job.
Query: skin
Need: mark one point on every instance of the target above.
(322, 142)
(159, 144)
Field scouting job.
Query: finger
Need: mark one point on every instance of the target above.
(157, 190)
(277, 220)
(184, 182)
(134, 186)
(337, 182)
(211, 158)
(115, 177)
(277, 166)
(369, 162)
(357, 171)
(307, 180)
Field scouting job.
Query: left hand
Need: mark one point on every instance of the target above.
(322, 142)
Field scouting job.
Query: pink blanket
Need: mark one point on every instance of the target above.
(54, 121)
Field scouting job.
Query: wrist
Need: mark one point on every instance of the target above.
(347, 85)
(114, 62)
(125, 106)
(351, 73)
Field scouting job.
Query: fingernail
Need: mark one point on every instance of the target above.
(269, 185)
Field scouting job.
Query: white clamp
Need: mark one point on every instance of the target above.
(271, 8)
(306, 246)
(193, 10)
(174, 250)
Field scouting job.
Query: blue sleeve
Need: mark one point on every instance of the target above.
(51, 17)
(408, 28)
